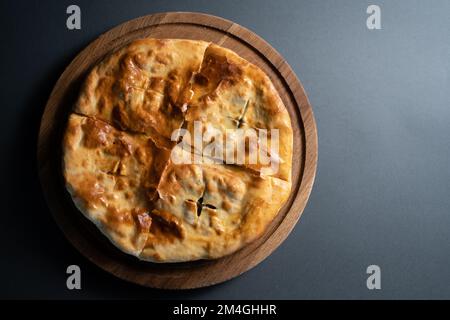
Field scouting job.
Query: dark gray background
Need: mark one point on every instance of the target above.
(382, 105)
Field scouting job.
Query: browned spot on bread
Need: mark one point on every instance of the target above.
(163, 58)
(165, 227)
(173, 87)
(120, 116)
(200, 79)
(121, 184)
(139, 60)
(157, 84)
(217, 68)
(115, 220)
(95, 133)
(121, 146)
(131, 74)
(89, 190)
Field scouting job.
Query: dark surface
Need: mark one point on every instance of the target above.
(382, 104)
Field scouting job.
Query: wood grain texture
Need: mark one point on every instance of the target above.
(85, 236)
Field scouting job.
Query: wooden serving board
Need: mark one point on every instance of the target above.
(85, 236)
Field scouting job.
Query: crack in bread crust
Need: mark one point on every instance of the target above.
(135, 92)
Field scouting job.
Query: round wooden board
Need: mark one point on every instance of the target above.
(85, 236)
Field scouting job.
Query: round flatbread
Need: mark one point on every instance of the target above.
(134, 165)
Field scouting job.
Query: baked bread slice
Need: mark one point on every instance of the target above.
(112, 177)
(143, 87)
(206, 211)
(229, 94)
(122, 150)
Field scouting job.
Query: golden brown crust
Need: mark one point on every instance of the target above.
(112, 177)
(118, 153)
(231, 93)
(221, 207)
(143, 87)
